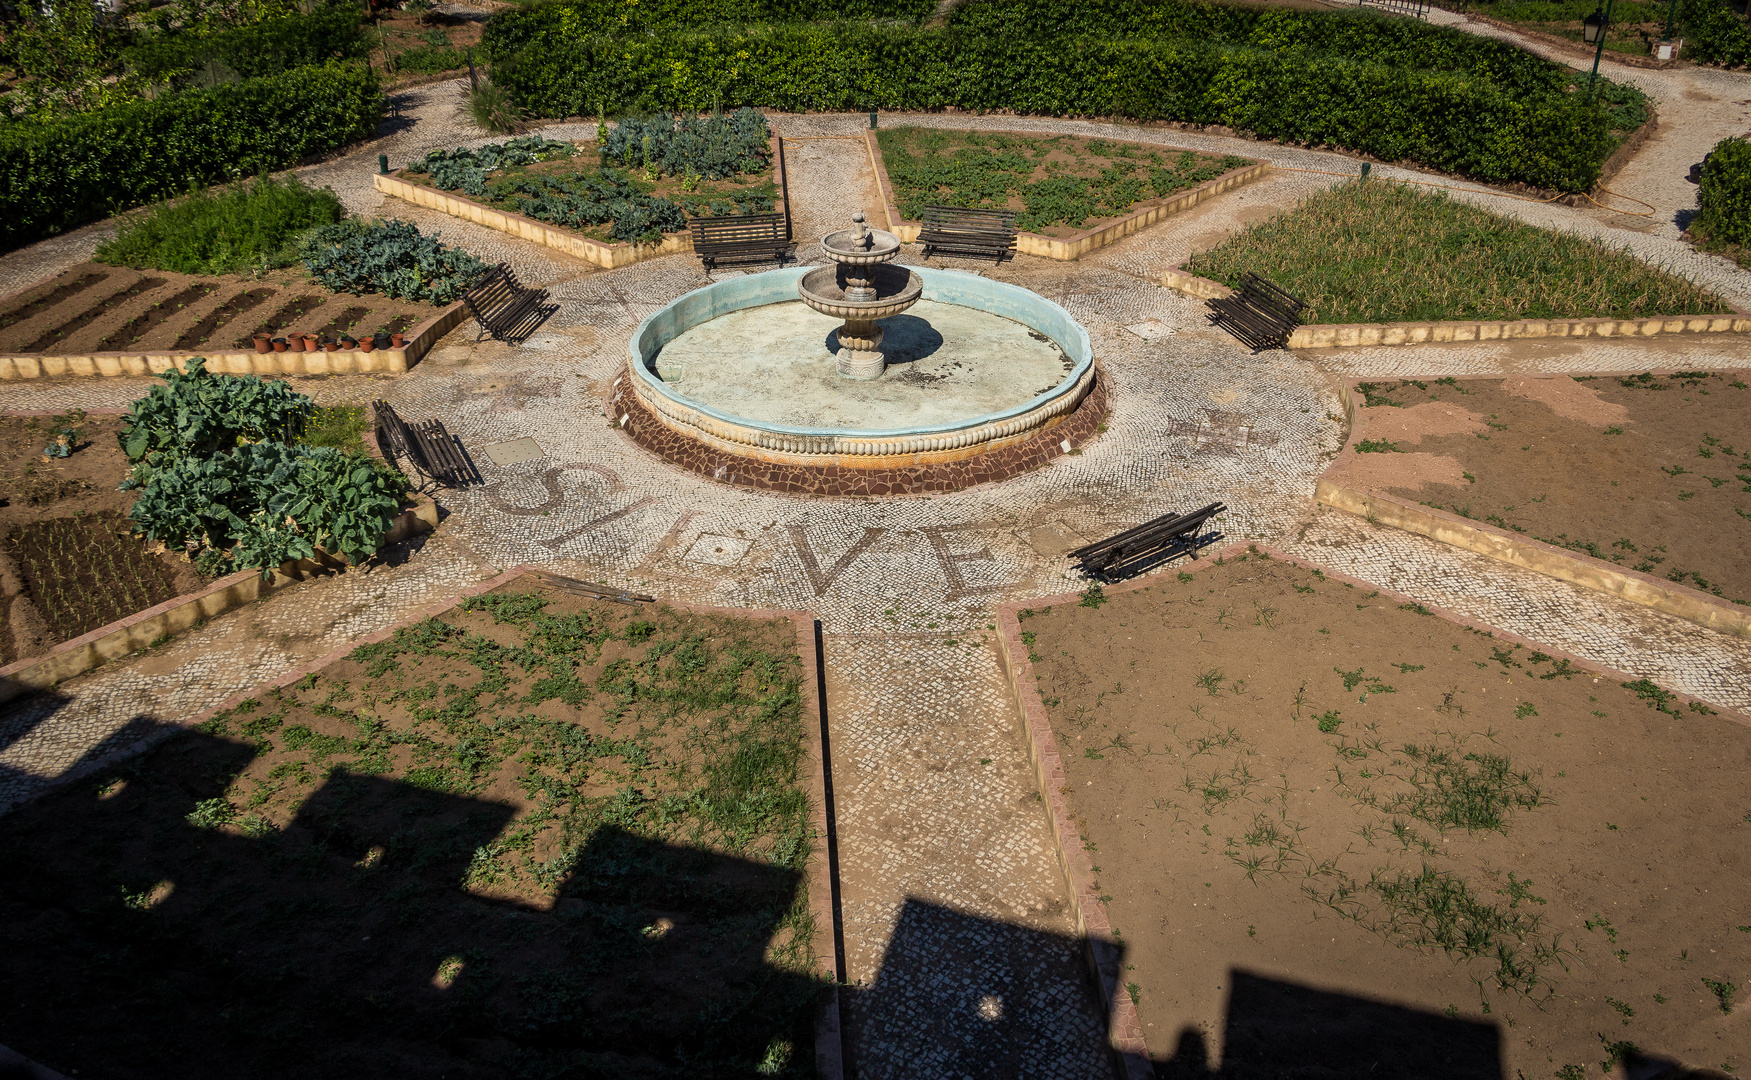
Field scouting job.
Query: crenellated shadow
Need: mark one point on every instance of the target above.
(372, 936)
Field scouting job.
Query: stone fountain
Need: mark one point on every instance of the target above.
(860, 287)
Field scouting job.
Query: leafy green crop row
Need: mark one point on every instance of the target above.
(467, 169)
(1510, 125)
(709, 147)
(247, 227)
(389, 257)
(59, 175)
(217, 472)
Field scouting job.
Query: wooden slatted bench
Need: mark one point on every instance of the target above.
(504, 308)
(1149, 544)
(425, 445)
(1259, 314)
(740, 238)
(968, 232)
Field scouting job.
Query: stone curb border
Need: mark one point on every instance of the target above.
(1352, 335)
(829, 1051)
(1063, 434)
(1092, 920)
(609, 256)
(137, 631)
(1067, 249)
(1599, 575)
(347, 362)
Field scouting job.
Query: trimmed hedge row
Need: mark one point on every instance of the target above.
(265, 48)
(1452, 121)
(1715, 34)
(510, 30)
(1724, 198)
(61, 175)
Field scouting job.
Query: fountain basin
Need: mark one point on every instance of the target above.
(722, 434)
(896, 290)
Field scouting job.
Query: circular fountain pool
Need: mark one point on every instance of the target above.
(739, 380)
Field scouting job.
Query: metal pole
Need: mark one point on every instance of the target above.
(1593, 80)
(1670, 8)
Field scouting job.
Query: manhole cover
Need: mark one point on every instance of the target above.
(515, 452)
(718, 550)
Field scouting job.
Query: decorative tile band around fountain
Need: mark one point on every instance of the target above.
(742, 382)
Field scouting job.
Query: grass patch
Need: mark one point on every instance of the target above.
(1383, 252)
(339, 426)
(243, 228)
(1052, 182)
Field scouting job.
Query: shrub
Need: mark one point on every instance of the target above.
(1724, 197)
(711, 147)
(1715, 34)
(467, 169)
(1459, 121)
(428, 60)
(268, 47)
(508, 31)
(392, 258)
(247, 227)
(490, 107)
(62, 174)
(195, 413)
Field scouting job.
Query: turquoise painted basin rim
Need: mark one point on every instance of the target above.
(779, 286)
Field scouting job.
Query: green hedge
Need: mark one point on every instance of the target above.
(1452, 121)
(1714, 33)
(61, 175)
(509, 31)
(264, 48)
(1724, 198)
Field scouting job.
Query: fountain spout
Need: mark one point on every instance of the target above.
(860, 287)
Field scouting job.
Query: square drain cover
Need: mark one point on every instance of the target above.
(718, 550)
(515, 452)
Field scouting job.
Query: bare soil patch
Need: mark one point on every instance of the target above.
(67, 563)
(1652, 472)
(97, 308)
(1342, 837)
(566, 837)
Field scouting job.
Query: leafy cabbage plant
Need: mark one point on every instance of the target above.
(197, 412)
(467, 169)
(389, 257)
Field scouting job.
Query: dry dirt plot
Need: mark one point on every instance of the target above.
(97, 308)
(1340, 830)
(1652, 472)
(540, 835)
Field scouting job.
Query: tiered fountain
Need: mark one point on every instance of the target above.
(860, 287)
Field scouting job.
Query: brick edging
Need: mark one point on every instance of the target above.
(1670, 598)
(829, 1053)
(1355, 335)
(644, 427)
(1069, 248)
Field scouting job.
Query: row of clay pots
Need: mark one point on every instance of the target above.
(312, 343)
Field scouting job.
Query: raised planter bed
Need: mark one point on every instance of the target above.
(1649, 473)
(601, 253)
(106, 320)
(1357, 335)
(77, 589)
(1344, 829)
(451, 860)
(1073, 243)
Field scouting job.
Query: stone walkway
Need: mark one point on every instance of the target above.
(951, 894)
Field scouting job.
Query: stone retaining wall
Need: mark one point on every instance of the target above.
(345, 362)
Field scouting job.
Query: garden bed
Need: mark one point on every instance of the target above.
(1059, 186)
(93, 308)
(1377, 251)
(537, 828)
(67, 562)
(1651, 473)
(1525, 879)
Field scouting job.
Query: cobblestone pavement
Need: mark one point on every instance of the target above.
(951, 898)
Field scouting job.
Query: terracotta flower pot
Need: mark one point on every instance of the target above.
(280, 344)
(312, 343)
(397, 341)
(332, 346)
(367, 344)
(263, 343)
(349, 343)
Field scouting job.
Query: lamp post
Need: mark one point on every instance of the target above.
(1593, 29)
(1665, 49)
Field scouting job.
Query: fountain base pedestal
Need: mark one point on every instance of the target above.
(860, 351)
